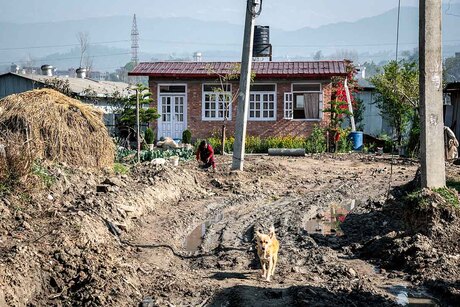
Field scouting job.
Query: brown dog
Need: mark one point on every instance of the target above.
(267, 250)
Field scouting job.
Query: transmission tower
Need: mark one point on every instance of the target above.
(134, 42)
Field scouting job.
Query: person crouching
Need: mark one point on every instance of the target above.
(205, 154)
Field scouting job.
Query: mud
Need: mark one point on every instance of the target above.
(178, 236)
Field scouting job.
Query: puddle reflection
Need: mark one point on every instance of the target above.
(407, 297)
(329, 223)
(195, 238)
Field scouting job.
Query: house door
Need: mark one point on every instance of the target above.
(173, 120)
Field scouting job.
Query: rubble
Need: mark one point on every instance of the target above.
(126, 246)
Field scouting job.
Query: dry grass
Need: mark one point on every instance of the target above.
(15, 162)
(56, 128)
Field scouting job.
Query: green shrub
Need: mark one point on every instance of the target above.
(388, 146)
(149, 136)
(120, 169)
(41, 172)
(215, 142)
(449, 195)
(316, 143)
(254, 144)
(187, 136)
(344, 144)
(229, 144)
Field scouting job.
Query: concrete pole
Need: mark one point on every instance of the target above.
(431, 104)
(138, 129)
(243, 98)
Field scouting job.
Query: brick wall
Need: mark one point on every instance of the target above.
(280, 127)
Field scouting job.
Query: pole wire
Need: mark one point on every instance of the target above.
(396, 92)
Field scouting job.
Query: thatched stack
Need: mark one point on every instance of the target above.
(57, 128)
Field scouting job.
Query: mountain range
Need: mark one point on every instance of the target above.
(55, 43)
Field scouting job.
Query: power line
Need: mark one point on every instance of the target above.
(59, 46)
(448, 9)
(71, 58)
(221, 44)
(288, 46)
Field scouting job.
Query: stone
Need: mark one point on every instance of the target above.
(352, 272)
(26, 225)
(127, 208)
(114, 181)
(158, 161)
(102, 188)
(216, 183)
(148, 302)
(50, 197)
(5, 211)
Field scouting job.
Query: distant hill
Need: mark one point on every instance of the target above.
(371, 38)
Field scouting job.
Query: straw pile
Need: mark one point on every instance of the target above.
(57, 128)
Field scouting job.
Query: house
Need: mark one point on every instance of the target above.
(373, 123)
(452, 107)
(286, 98)
(98, 93)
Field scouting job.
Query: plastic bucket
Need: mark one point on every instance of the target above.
(357, 140)
(175, 160)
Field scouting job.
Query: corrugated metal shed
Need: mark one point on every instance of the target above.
(12, 83)
(304, 69)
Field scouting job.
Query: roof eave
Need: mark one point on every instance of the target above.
(258, 76)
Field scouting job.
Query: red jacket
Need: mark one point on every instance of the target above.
(205, 154)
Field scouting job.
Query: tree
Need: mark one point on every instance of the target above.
(83, 41)
(339, 104)
(147, 114)
(452, 69)
(318, 55)
(88, 64)
(371, 69)
(232, 75)
(342, 54)
(398, 99)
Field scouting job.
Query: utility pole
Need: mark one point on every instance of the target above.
(431, 105)
(138, 129)
(253, 9)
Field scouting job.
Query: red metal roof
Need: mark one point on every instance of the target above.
(303, 69)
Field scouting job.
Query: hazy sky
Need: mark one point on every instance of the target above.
(285, 14)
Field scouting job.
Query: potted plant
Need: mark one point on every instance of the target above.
(149, 138)
(187, 137)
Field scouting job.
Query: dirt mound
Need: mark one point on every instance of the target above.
(418, 234)
(297, 296)
(57, 128)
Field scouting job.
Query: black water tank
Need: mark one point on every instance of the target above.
(261, 42)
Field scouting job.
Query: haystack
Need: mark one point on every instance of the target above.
(58, 128)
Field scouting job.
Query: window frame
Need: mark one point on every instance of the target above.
(203, 102)
(275, 102)
(321, 101)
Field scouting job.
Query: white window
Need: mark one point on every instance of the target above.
(262, 102)
(305, 102)
(217, 102)
(288, 108)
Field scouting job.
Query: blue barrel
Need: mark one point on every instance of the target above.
(357, 140)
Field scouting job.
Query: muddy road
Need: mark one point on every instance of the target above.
(180, 236)
(212, 260)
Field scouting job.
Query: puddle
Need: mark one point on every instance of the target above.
(333, 216)
(195, 238)
(408, 297)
